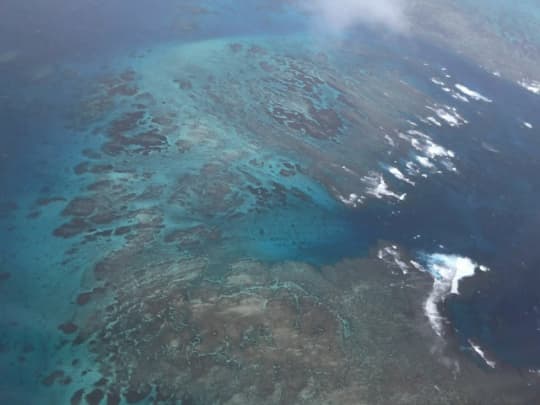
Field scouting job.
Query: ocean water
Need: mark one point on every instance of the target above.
(224, 202)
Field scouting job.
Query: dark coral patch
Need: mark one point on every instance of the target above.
(193, 236)
(105, 233)
(68, 327)
(257, 50)
(114, 147)
(266, 67)
(122, 230)
(81, 168)
(289, 169)
(33, 215)
(66, 380)
(77, 397)
(5, 275)
(113, 398)
(236, 47)
(121, 139)
(51, 378)
(319, 124)
(100, 185)
(123, 90)
(163, 120)
(134, 395)
(72, 228)
(164, 394)
(91, 154)
(102, 268)
(80, 207)
(128, 75)
(46, 201)
(94, 397)
(128, 122)
(149, 139)
(79, 340)
(327, 119)
(84, 298)
(103, 218)
(101, 382)
(98, 169)
(183, 145)
(286, 173)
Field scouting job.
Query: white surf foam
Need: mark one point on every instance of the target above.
(478, 350)
(391, 255)
(447, 272)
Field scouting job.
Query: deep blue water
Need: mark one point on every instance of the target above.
(487, 211)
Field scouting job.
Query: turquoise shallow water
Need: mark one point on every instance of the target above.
(196, 203)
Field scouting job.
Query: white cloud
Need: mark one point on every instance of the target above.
(338, 15)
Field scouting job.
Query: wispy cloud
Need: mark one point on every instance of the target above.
(338, 15)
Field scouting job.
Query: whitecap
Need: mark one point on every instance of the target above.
(417, 133)
(532, 85)
(472, 94)
(378, 188)
(412, 123)
(347, 170)
(449, 115)
(437, 81)
(389, 140)
(424, 161)
(434, 150)
(459, 97)
(490, 148)
(434, 121)
(412, 168)
(394, 171)
(352, 200)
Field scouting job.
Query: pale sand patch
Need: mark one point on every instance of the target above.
(248, 307)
